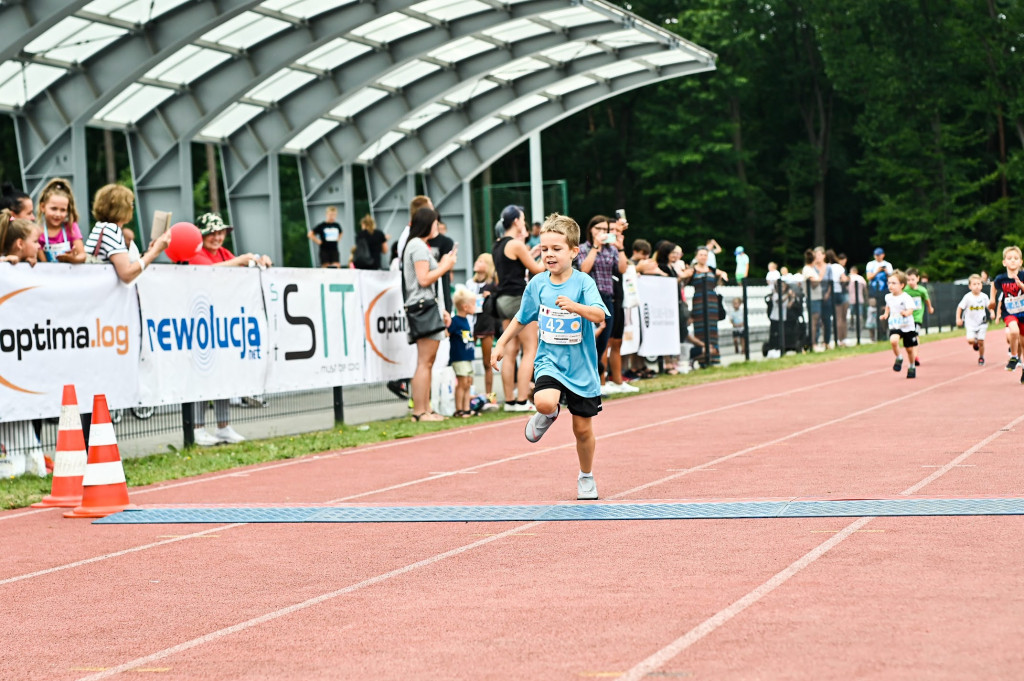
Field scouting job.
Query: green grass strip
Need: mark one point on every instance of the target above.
(176, 464)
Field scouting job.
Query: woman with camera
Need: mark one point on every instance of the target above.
(426, 317)
(601, 257)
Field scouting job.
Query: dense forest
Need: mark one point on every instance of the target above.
(879, 122)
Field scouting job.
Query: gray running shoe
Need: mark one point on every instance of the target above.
(898, 364)
(586, 489)
(539, 424)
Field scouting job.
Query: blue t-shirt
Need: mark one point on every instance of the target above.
(460, 334)
(573, 364)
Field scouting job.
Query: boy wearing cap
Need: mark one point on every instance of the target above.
(878, 271)
(213, 229)
(742, 264)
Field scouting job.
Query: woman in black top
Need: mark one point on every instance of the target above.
(511, 261)
(376, 245)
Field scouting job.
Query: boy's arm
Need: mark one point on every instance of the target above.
(992, 296)
(885, 315)
(591, 313)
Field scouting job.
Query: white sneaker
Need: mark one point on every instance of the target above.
(586, 488)
(204, 439)
(539, 424)
(228, 434)
(609, 388)
(527, 407)
(627, 388)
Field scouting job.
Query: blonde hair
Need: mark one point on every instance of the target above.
(463, 296)
(58, 186)
(1014, 249)
(331, 209)
(900, 276)
(12, 229)
(564, 225)
(973, 277)
(113, 203)
(368, 223)
(418, 201)
(490, 273)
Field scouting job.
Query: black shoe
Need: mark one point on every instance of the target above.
(975, 347)
(917, 362)
(911, 372)
(898, 364)
(400, 388)
(1012, 364)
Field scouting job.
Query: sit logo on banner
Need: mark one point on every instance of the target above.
(204, 330)
(304, 340)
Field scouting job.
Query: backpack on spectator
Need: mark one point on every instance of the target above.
(363, 258)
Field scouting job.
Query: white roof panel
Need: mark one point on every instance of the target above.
(332, 55)
(519, 68)
(460, 49)
(358, 101)
(386, 141)
(470, 90)
(669, 57)
(134, 102)
(439, 156)
(523, 104)
(137, 11)
(619, 68)
(280, 85)
(479, 128)
(573, 16)
(313, 132)
(514, 31)
(423, 116)
(187, 64)
(230, 120)
(569, 51)
(390, 27)
(303, 9)
(627, 38)
(74, 40)
(447, 10)
(407, 73)
(570, 84)
(20, 82)
(245, 30)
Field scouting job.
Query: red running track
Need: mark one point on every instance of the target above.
(816, 598)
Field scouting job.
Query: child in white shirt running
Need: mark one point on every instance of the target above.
(899, 310)
(972, 313)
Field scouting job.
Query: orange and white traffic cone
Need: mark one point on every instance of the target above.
(104, 490)
(70, 457)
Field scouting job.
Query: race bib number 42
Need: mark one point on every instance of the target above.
(559, 327)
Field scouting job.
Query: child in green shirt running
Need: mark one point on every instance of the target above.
(921, 298)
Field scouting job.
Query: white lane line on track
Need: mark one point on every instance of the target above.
(115, 554)
(316, 600)
(749, 599)
(423, 438)
(673, 649)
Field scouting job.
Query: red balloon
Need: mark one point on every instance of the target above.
(185, 242)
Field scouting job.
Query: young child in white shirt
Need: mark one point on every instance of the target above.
(972, 313)
(899, 310)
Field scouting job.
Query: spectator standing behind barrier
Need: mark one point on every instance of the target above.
(534, 239)
(17, 202)
(61, 239)
(706, 303)
(113, 206)
(213, 253)
(742, 265)
(601, 258)
(483, 284)
(463, 350)
(326, 235)
(614, 383)
(421, 272)
(840, 298)
(818, 273)
(669, 258)
(713, 250)
(739, 343)
(441, 245)
(370, 245)
(877, 272)
(512, 260)
(19, 239)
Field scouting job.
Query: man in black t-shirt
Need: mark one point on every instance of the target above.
(441, 244)
(327, 235)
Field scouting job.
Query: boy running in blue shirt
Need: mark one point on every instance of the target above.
(567, 305)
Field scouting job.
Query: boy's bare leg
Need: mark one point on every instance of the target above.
(981, 348)
(486, 342)
(546, 401)
(911, 354)
(583, 429)
(894, 341)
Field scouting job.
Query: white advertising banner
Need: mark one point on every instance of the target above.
(631, 331)
(315, 322)
(659, 316)
(388, 353)
(65, 324)
(204, 334)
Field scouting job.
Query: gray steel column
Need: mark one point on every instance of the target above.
(456, 213)
(391, 209)
(254, 201)
(65, 157)
(536, 179)
(166, 185)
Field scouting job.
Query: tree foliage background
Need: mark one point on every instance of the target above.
(881, 122)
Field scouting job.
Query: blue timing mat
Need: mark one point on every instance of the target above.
(582, 511)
